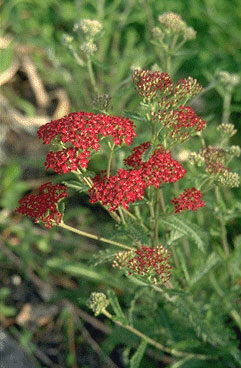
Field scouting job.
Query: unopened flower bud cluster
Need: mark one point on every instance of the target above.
(149, 262)
(228, 79)
(98, 303)
(172, 23)
(89, 27)
(229, 179)
(88, 30)
(228, 129)
(214, 159)
(165, 102)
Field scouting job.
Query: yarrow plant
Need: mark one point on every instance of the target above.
(143, 196)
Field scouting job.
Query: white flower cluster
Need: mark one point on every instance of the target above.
(173, 23)
(89, 27)
(98, 303)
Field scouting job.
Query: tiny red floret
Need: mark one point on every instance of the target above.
(125, 187)
(42, 206)
(190, 200)
(78, 134)
(151, 262)
(160, 168)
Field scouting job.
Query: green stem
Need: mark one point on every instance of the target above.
(112, 147)
(226, 107)
(157, 208)
(122, 215)
(91, 74)
(154, 343)
(168, 62)
(92, 236)
(82, 178)
(135, 218)
(152, 214)
(162, 200)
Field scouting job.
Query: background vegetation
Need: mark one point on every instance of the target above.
(46, 276)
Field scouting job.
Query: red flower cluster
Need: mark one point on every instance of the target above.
(148, 83)
(187, 118)
(119, 190)
(146, 261)
(66, 160)
(78, 133)
(186, 89)
(181, 123)
(190, 200)
(43, 206)
(160, 168)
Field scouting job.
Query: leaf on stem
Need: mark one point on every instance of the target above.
(116, 307)
(138, 355)
(74, 184)
(187, 230)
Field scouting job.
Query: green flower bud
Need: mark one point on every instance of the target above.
(229, 179)
(98, 303)
(227, 129)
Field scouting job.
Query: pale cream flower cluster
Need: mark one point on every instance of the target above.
(172, 23)
(88, 29)
(228, 129)
(98, 303)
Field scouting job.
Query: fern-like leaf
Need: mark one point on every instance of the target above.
(187, 230)
(116, 307)
(137, 357)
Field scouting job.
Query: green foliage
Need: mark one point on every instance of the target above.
(132, 231)
(190, 230)
(137, 357)
(78, 186)
(11, 186)
(119, 315)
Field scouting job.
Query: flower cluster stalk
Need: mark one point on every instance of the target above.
(154, 343)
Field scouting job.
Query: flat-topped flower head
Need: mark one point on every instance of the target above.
(43, 206)
(189, 200)
(228, 129)
(214, 158)
(180, 123)
(151, 84)
(78, 134)
(98, 303)
(125, 187)
(89, 27)
(159, 168)
(152, 263)
(186, 88)
(173, 23)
